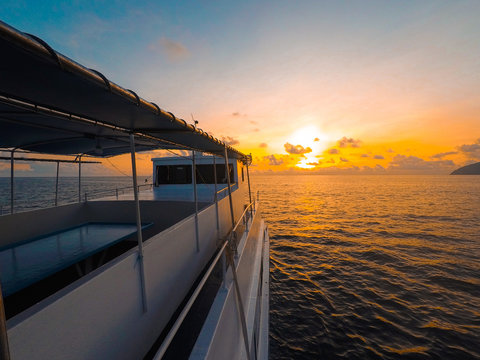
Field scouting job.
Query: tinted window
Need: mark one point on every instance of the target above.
(174, 174)
(205, 174)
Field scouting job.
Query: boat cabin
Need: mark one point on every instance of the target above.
(173, 177)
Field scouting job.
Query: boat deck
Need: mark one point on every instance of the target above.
(79, 238)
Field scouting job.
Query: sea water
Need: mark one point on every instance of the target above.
(373, 267)
(362, 267)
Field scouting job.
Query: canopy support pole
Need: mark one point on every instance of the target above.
(215, 197)
(56, 184)
(195, 198)
(227, 169)
(4, 351)
(12, 184)
(230, 258)
(139, 224)
(79, 178)
(249, 191)
(224, 259)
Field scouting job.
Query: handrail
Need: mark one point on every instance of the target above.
(173, 331)
(222, 190)
(117, 189)
(216, 195)
(241, 217)
(41, 203)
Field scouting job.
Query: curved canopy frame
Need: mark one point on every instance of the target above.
(51, 104)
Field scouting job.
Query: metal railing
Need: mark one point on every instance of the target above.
(22, 205)
(114, 192)
(228, 246)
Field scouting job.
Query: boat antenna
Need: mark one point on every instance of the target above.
(195, 122)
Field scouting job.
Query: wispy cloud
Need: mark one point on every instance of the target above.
(230, 140)
(263, 145)
(379, 157)
(174, 51)
(443, 154)
(333, 151)
(273, 161)
(404, 163)
(18, 166)
(296, 149)
(348, 142)
(472, 151)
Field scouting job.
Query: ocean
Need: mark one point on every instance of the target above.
(373, 267)
(362, 267)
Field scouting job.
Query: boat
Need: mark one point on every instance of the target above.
(176, 269)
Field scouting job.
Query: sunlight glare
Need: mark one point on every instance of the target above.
(308, 136)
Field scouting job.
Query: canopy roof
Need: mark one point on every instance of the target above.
(51, 104)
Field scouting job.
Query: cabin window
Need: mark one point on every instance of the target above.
(205, 174)
(174, 174)
(243, 176)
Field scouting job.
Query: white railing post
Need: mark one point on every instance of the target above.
(216, 194)
(79, 178)
(56, 184)
(139, 223)
(195, 197)
(12, 184)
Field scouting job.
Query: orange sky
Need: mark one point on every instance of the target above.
(385, 87)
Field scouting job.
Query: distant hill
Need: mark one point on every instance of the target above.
(472, 169)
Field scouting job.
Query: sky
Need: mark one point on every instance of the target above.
(327, 87)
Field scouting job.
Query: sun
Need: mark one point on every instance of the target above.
(308, 136)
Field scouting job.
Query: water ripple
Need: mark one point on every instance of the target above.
(373, 267)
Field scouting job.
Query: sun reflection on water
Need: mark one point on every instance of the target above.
(373, 267)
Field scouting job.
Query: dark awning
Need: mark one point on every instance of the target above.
(51, 104)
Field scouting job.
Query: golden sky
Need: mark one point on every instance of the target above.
(322, 87)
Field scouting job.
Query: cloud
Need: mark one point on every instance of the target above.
(18, 166)
(364, 155)
(230, 140)
(296, 149)
(316, 139)
(174, 51)
(409, 164)
(472, 151)
(346, 142)
(273, 161)
(379, 157)
(333, 151)
(442, 155)
(314, 163)
(239, 114)
(343, 159)
(390, 151)
(263, 145)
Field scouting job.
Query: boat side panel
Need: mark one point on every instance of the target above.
(100, 316)
(226, 340)
(27, 225)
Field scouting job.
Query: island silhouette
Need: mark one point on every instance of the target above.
(472, 169)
